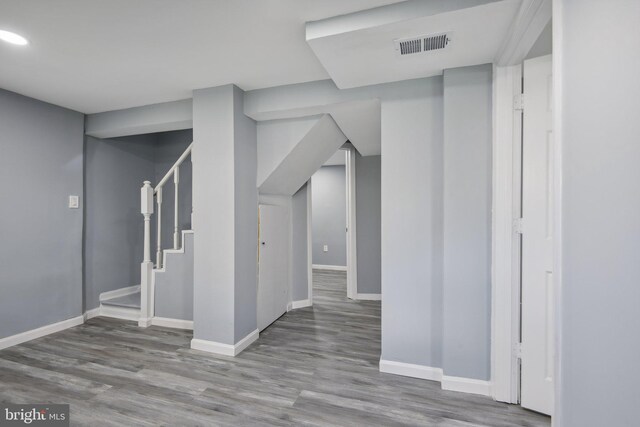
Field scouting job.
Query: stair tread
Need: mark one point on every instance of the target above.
(130, 301)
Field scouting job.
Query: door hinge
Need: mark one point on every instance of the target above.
(517, 350)
(518, 225)
(518, 101)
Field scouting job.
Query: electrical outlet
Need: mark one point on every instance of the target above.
(74, 202)
(326, 248)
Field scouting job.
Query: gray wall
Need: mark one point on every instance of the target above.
(174, 288)
(225, 209)
(411, 191)
(329, 215)
(467, 222)
(600, 294)
(113, 242)
(246, 218)
(41, 250)
(368, 223)
(299, 245)
(114, 171)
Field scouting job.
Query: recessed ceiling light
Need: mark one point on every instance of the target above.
(13, 38)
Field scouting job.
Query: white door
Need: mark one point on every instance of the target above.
(537, 238)
(273, 264)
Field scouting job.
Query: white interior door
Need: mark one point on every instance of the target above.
(273, 264)
(537, 238)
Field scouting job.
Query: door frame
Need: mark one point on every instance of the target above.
(506, 239)
(352, 250)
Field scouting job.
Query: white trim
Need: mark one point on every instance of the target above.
(119, 293)
(300, 304)
(557, 418)
(144, 323)
(505, 250)
(90, 314)
(224, 349)
(172, 323)
(369, 297)
(124, 313)
(309, 244)
(527, 26)
(330, 267)
(352, 247)
(411, 370)
(40, 332)
(466, 385)
(459, 384)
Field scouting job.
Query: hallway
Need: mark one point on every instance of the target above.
(314, 366)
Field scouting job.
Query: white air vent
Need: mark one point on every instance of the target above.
(422, 44)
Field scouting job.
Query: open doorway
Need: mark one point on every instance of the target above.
(330, 229)
(345, 217)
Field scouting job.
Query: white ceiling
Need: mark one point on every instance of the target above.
(358, 49)
(94, 56)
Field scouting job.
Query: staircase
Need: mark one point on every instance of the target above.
(121, 304)
(175, 277)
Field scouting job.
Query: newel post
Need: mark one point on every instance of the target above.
(146, 268)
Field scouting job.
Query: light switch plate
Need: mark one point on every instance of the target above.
(74, 202)
(326, 248)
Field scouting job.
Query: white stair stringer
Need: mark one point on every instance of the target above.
(172, 286)
(123, 303)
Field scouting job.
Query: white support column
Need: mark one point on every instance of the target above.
(159, 232)
(146, 268)
(176, 235)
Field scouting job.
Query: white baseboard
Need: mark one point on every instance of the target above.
(466, 385)
(172, 323)
(369, 297)
(330, 267)
(459, 384)
(411, 370)
(224, 349)
(90, 314)
(144, 322)
(124, 313)
(301, 304)
(40, 332)
(119, 292)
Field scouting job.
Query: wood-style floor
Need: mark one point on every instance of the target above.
(314, 366)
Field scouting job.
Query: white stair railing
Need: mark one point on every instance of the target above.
(175, 172)
(147, 194)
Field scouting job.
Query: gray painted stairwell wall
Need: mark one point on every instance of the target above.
(174, 287)
(41, 249)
